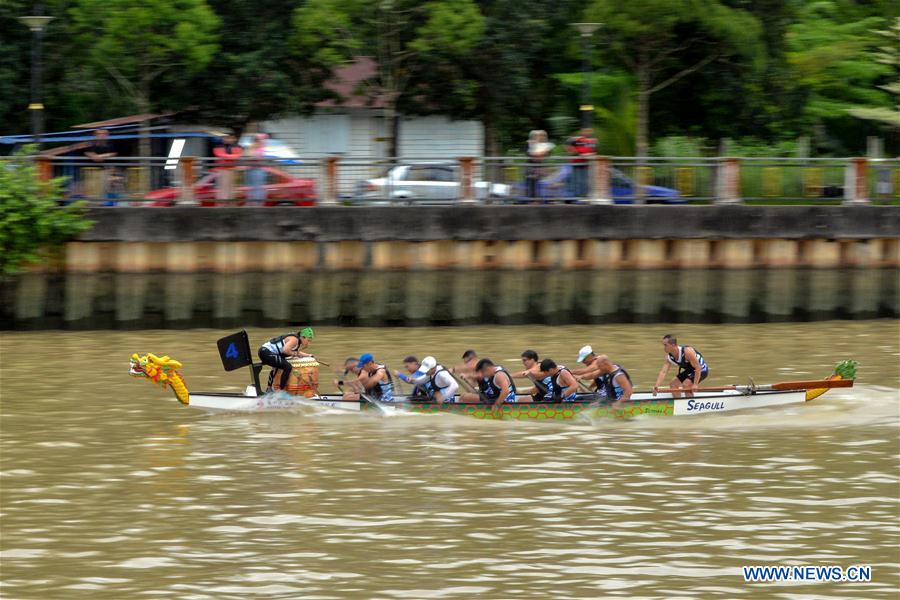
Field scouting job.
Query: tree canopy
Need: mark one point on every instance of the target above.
(765, 71)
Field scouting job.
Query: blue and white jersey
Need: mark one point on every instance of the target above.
(683, 363)
(276, 344)
(489, 388)
(384, 391)
(558, 388)
(608, 385)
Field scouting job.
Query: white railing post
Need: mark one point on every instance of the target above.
(855, 191)
(329, 194)
(186, 167)
(728, 181)
(599, 190)
(466, 187)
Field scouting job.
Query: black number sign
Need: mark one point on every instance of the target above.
(234, 350)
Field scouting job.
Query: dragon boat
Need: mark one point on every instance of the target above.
(234, 351)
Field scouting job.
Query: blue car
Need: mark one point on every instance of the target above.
(557, 186)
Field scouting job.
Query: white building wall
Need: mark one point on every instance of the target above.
(438, 137)
(360, 136)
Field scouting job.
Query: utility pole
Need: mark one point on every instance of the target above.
(36, 23)
(587, 108)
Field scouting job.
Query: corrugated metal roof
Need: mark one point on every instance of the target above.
(123, 120)
(355, 85)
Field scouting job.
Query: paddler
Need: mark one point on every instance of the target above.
(541, 392)
(611, 381)
(692, 368)
(467, 369)
(437, 382)
(563, 385)
(412, 364)
(375, 379)
(274, 353)
(495, 384)
(351, 372)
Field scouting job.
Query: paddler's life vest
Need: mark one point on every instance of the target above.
(682, 361)
(276, 344)
(491, 390)
(557, 388)
(432, 387)
(384, 391)
(607, 386)
(544, 388)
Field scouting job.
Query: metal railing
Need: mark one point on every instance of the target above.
(207, 181)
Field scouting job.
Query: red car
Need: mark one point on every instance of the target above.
(282, 189)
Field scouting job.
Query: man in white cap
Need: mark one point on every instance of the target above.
(438, 383)
(586, 357)
(591, 362)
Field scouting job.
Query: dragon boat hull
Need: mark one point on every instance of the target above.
(234, 350)
(585, 406)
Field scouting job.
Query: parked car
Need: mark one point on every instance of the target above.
(431, 182)
(282, 189)
(557, 185)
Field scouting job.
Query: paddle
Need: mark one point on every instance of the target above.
(365, 397)
(472, 389)
(786, 385)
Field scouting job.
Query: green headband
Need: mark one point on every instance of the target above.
(308, 333)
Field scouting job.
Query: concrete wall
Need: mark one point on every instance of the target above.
(493, 223)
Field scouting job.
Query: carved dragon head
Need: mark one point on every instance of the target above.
(160, 370)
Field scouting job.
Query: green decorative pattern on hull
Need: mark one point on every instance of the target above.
(566, 411)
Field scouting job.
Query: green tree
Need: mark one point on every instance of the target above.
(663, 41)
(410, 42)
(831, 50)
(30, 220)
(255, 75)
(14, 65)
(135, 43)
(888, 54)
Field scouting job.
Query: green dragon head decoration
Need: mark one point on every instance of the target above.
(846, 369)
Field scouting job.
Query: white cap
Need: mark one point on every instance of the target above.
(584, 353)
(427, 364)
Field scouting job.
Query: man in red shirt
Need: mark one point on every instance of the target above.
(581, 147)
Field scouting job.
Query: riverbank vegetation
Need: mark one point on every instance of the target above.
(31, 222)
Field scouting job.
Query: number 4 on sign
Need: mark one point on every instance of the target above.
(232, 351)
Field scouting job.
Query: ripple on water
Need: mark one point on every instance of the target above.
(141, 497)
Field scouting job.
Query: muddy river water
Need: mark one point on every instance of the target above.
(110, 489)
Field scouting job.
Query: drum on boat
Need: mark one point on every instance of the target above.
(304, 380)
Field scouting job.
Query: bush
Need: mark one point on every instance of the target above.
(30, 219)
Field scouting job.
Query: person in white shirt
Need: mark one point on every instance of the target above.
(436, 381)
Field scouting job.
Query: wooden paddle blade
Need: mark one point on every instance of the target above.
(810, 385)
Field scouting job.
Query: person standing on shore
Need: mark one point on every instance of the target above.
(99, 152)
(581, 147)
(537, 150)
(227, 153)
(256, 174)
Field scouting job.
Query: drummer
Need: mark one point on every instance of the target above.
(274, 353)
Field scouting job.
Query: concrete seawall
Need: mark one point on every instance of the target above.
(189, 239)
